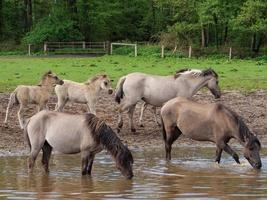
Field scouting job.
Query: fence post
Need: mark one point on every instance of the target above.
(108, 49)
(83, 44)
(29, 49)
(45, 47)
(190, 52)
(162, 51)
(135, 50)
(111, 48)
(230, 53)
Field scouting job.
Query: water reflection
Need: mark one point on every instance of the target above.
(191, 174)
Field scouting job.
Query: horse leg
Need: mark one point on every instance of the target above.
(124, 106)
(172, 133)
(218, 154)
(85, 156)
(230, 151)
(33, 155)
(90, 163)
(130, 115)
(20, 116)
(47, 150)
(154, 108)
(143, 108)
(61, 104)
(91, 106)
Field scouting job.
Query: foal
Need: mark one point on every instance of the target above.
(39, 95)
(86, 93)
(208, 122)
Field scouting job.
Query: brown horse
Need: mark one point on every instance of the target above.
(33, 94)
(69, 134)
(208, 122)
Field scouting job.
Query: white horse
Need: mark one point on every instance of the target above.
(86, 93)
(156, 90)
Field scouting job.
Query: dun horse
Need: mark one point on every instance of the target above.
(39, 95)
(156, 90)
(208, 122)
(69, 134)
(86, 93)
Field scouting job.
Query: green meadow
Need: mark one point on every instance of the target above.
(243, 75)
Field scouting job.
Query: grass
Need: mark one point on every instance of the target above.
(245, 75)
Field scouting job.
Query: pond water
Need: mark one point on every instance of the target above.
(192, 174)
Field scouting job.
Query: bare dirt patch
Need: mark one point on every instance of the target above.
(251, 106)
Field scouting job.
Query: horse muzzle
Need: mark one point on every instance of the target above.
(110, 91)
(61, 82)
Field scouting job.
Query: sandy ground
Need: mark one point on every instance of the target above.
(251, 106)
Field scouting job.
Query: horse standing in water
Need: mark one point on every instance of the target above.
(37, 94)
(69, 134)
(86, 93)
(208, 122)
(156, 90)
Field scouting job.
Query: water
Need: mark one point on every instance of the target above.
(192, 174)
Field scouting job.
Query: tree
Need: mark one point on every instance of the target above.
(252, 20)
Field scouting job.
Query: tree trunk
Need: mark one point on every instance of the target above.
(1, 19)
(203, 37)
(253, 42)
(258, 44)
(225, 40)
(27, 15)
(216, 30)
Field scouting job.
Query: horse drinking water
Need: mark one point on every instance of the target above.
(208, 122)
(37, 94)
(86, 93)
(156, 90)
(69, 134)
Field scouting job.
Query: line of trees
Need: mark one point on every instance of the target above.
(203, 23)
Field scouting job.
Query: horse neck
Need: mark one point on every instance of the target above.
(47, 86)
(95, 87)
(195, 84)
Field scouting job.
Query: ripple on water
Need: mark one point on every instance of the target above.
(192, 174)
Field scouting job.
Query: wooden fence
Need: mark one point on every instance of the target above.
(76, 47)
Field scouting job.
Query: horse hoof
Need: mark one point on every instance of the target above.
(133, 130)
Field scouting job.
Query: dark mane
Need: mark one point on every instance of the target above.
(208, 72)
(244, 133)
(178, 72)
(103, 134)
(44, 77)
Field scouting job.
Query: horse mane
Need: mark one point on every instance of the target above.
(103, 134)
(95, 78)
(44, 77)
(195, 72)
(244, 133)
(208, 72)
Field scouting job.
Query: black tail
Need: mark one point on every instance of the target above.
(119, 90)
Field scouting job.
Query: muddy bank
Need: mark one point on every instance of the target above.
(251, 106)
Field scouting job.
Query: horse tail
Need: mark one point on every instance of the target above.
(163, 130)
(119, 90)
(12, 101)
(26, 135)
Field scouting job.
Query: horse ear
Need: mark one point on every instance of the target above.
(49, 72)
(104, 76)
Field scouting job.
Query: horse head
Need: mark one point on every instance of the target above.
(50, 78)
(106, 83)
(124, 162)
(251, 152)
(213, 83)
